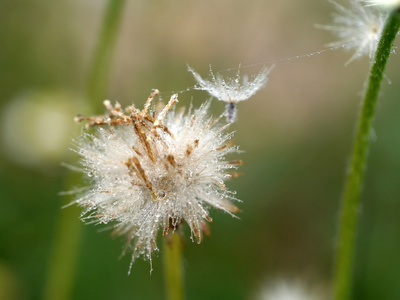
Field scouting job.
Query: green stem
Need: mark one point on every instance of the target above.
(173, 269)
(62, 263)
(67, 239)
(98, 74)
(355, 177)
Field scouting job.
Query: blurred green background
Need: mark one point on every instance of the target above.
(296, 136)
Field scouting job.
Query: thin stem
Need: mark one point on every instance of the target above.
(355, 177)
(62, 263)
(98, 74)
(67, 239)
(173, 269)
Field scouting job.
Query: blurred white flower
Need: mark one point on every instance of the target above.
(153, 171)
(25, 134)
(290, 290)
(231, 90)
(358, 28)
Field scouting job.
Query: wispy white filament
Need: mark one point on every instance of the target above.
(391, 4)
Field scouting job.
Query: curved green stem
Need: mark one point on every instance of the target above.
(355, 177)
(62, 263)
(98, 74)
(173, 269)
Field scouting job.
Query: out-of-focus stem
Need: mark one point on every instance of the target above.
(173, 269)
(355, 176)
(99, 72)
(62, 263)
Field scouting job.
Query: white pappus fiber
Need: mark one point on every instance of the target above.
(390, 4)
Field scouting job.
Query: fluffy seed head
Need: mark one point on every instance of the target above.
(152, 171)
(357, 27)
(231, 90)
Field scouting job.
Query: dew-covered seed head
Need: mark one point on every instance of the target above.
(149, 173)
